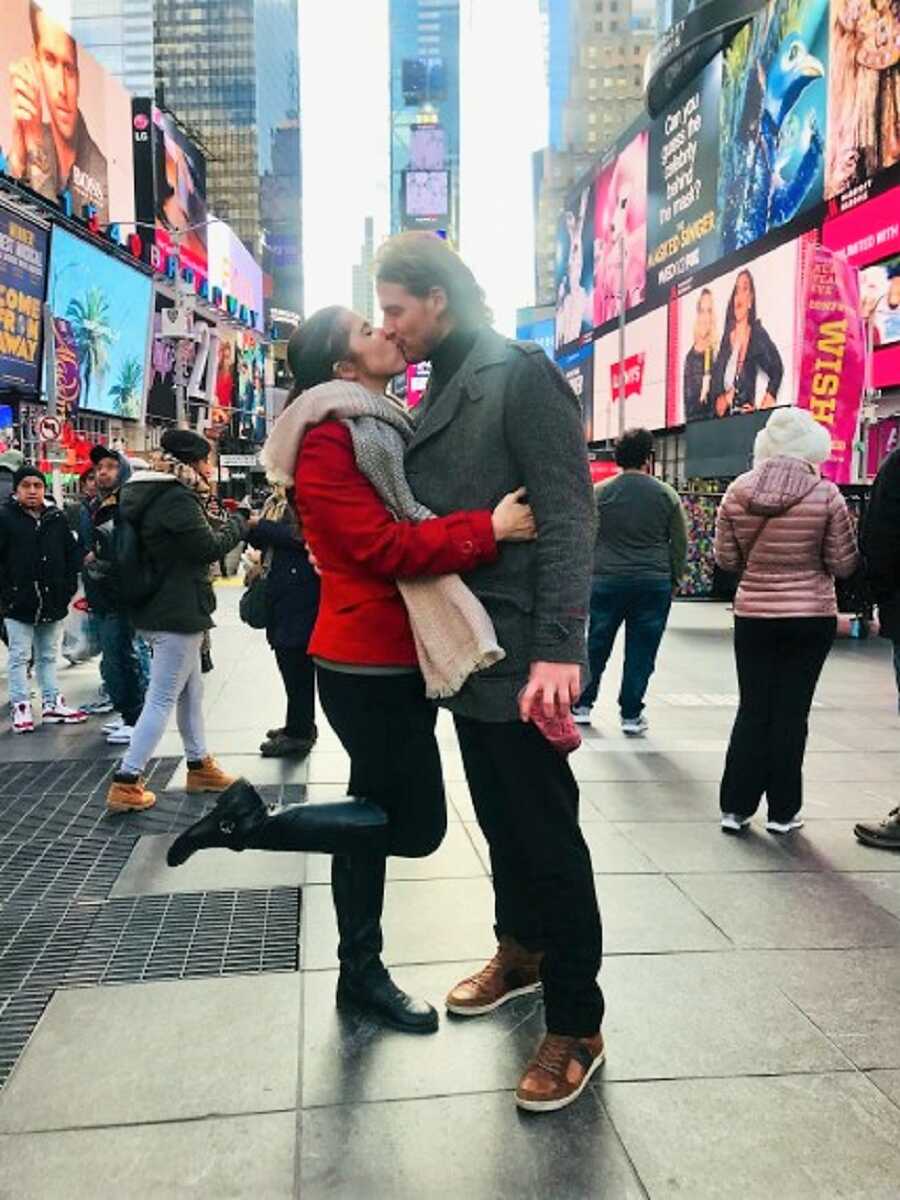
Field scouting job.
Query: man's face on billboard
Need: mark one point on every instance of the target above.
(57, 63)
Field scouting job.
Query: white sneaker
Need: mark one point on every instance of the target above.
(111, 726)
(732, 823)
(121, 736)
(22, 717)
(60, 713)
(635, 726)
(784, 826)
(581, 714)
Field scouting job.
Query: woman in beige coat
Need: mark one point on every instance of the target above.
(789, 532)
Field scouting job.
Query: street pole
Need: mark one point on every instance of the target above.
(622, 328)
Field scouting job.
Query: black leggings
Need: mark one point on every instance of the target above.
(298, 674)
(386, 725)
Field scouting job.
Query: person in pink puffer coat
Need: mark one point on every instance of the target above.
(789, 532)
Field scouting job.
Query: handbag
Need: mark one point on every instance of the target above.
(254, 604)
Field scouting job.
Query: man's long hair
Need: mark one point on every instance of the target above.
(421, 261)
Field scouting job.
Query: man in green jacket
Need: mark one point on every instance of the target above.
(168, 505)
(639, 558)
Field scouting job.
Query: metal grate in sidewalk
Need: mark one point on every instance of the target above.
(19, 1015)
(194, 935)
(36, 870)
(38, 945)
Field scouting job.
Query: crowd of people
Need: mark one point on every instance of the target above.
(456, 558)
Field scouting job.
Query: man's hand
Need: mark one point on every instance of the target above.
(27, 131)
(556, 686)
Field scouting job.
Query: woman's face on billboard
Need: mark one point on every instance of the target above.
(704, 316)
(743, 296)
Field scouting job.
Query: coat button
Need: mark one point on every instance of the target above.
(467, 547)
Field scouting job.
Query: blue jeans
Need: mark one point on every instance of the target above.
(175, 682)
(643, 605)
(43, 641)
(120, 665)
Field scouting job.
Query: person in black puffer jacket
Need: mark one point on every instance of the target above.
(292, 601)
(39, 562)
(167, 505)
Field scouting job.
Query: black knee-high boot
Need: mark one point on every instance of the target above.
(357, 886)
(240, 821)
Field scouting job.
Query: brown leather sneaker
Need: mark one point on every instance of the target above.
(129, 796)
(559, 1072)
(208, 778)
(513, 971)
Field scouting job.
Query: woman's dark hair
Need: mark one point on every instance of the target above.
(316, 346)
(634, 448)
(420, 261)
(730, 318)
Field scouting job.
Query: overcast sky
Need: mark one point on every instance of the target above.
(346, 152)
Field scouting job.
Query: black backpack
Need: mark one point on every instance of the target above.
(137, 576)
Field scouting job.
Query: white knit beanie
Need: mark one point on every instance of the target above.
(793, 432)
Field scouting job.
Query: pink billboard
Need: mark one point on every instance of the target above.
(621, 223)
(833, 361)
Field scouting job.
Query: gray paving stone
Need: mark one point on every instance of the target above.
(613, 854)
(455, 858)
(795, 910)
(692, 800)
(647, 914)
(851, 995)
(348, 1058)
(623, 765)
(682, 846)
(459, 802)
(425, 921)
(251, 766)
(215, 1159)
(687, 1015)
(803, 1136)
(472, 1146)
(831, 846)
(147, 874)
(888, 1082)
(158, 1052)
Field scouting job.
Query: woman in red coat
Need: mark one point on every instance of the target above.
(369, 680)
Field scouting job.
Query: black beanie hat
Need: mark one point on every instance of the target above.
(185, 445)
(25, 472)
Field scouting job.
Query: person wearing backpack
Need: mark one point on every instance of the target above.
(166, 546)
(120, 665)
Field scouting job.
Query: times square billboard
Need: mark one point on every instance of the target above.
(65, 123)
(791, 132)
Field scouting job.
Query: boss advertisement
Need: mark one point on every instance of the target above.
(23, 262)
(64, 122)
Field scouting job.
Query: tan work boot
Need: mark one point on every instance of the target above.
(513, 971)
(559, 1072)
(208, 778)
(128, 795)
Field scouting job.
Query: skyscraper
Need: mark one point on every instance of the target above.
(364, 274)
(596, 55)
(229, 70)
(424, 38)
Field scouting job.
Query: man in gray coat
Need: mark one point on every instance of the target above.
(499, 415)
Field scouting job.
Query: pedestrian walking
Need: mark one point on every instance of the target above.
(788, 532)
(166, 505)
(342, 444)
(38, 577)
(292, 603)
(639, 558)
(121, 669)
(498, 414)
(880, 542)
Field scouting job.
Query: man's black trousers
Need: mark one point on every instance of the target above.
(526, 801)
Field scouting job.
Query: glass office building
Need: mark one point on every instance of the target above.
(229, 71)
(425, 115)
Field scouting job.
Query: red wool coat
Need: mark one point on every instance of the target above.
(362, 550)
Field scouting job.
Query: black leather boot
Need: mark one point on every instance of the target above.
(237, 813)
(364, 985)
(240, 821)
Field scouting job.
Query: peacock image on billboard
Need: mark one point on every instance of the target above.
(773, 120)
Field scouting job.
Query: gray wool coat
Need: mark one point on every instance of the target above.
(508, 419)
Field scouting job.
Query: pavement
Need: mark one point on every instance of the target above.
(159, 1036)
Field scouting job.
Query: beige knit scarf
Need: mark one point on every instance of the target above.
(453, 633)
